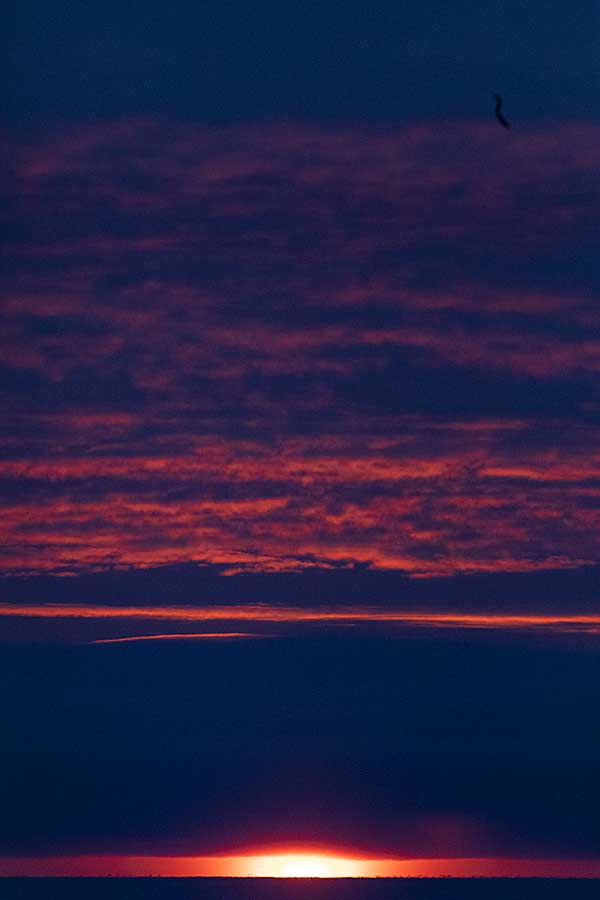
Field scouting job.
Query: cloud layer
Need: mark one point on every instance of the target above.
(285, 346)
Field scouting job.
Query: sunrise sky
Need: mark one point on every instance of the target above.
(300, 437)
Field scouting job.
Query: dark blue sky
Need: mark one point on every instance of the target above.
(230, 60)
(421, 745)
(290, 320)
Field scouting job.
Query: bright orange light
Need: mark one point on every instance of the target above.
(300, 865)
(295, 865)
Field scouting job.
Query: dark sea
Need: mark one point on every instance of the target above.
(299, 889)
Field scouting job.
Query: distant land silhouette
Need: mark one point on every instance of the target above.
(299, 888)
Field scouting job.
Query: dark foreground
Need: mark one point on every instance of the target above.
(298, 889)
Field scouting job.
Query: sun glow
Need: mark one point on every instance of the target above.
(303, 865)
(309, 864)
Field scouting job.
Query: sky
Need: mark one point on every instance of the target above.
(299, 453)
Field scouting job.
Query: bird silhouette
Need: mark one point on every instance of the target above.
(499, 115)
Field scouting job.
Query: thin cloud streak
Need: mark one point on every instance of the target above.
(568, 624)
(216, 635)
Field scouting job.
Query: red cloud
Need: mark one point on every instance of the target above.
(256, 347)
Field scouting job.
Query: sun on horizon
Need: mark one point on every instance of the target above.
(302, 865)
(309, 863)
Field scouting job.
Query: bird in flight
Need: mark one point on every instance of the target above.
(499, 115)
